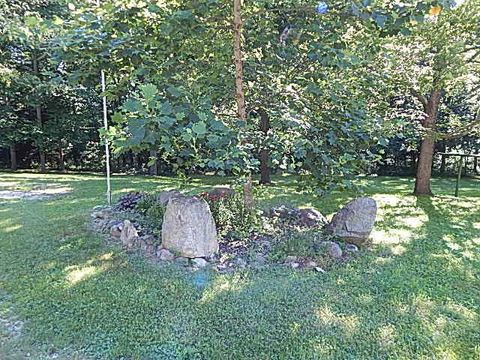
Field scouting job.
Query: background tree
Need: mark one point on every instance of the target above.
(437, 58)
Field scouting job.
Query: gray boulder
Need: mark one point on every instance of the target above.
(355, 221)
(188, 228)
(129, 234)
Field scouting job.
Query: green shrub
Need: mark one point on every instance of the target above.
(230, 214)
(151, 208)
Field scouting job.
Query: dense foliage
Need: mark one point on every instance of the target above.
(330, 93)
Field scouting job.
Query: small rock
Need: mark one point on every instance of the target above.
(294, 265)
(182, 261)
(332, 248)
(260, 259)
(241, 263)
(115, 222)
(311, 217)
(311, 264)
(351, 248)
(115, 231)
(199, 262)
(141, 244)
(165, 255)
(290, 259)
(150, 249)
(148, 239)
(335, 251)
(320, 270)
(129, 234)
(222, 267)
(105, 213)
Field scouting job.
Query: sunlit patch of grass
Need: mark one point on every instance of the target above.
(76, 274)
(347, 324)
(222, 286)
(11, 228)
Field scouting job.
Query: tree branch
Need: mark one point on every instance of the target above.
(420, 98)
(464, 130)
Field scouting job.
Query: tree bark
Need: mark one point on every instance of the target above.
(413, 162)
(237, 49)
(264, 155)
(239, 91)
(61, 160)
(13, 157)
(153, 170)
(38, 112)
(427, 148)
(443, 163)
(136, 163)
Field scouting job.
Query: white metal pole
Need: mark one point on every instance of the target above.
(107, 147)
(105, 125)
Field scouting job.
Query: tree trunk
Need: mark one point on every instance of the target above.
(13, 157)
(443, 163)
(425, 158)
(61, 160)
(43, 161)
(475, 165)
(264, 155)
(153, 170)
(237, 49)
(413, 162)
(38, 112)
(239, 92)
(135, 162)
(248, 199)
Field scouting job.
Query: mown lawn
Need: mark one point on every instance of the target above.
(414, 294)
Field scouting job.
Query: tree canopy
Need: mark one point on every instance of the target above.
(327, 85)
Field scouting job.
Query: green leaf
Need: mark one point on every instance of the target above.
(117, 118)
(166, 108)
(132, 105)
(187, 136)
(200, 128)
(149, 91)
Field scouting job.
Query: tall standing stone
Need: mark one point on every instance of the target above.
(354, 222)
(188, 228)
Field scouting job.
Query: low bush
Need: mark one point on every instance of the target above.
(231, 216)
(129, 201)
(150, 207)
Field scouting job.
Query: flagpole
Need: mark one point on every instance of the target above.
(105, 125)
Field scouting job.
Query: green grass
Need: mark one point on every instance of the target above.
(414, 294)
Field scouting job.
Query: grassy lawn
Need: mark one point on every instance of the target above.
(414, 294)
